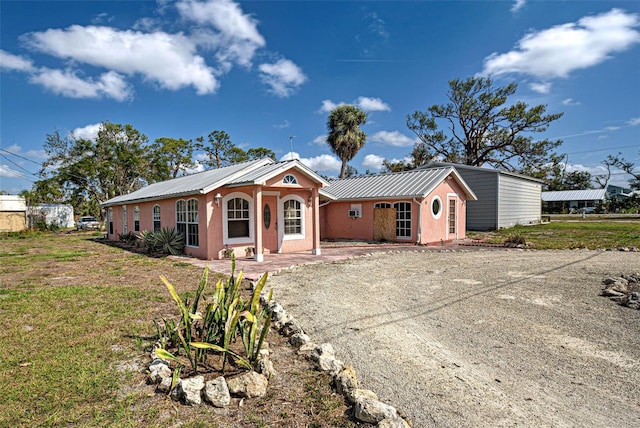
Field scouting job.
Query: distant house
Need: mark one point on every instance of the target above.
(262, 206)
(419, 206)
(59, 215)
(504, 198)
(572, 200)
(13, 213)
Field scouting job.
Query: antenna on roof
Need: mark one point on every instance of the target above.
(291, 137)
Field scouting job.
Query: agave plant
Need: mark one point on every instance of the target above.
(169, 241)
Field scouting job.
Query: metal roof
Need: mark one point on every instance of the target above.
(198, 183)
(486, 170)
(261, 175)
(574, 195)
(417, 183)
(246, 173)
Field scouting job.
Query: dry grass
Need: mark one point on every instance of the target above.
(77, 327)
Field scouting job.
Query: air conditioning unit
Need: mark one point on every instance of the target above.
(354, 213)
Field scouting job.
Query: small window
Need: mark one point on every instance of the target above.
(382, 205)
(289, 179)
(436, 207)
(136, 219)
(156, 218)
(266, 216)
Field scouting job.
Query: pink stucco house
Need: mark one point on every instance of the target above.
(267, 206)
(421, 206)
(283, 207)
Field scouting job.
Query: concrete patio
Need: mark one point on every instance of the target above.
(331, 252)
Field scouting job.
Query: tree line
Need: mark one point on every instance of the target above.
(479, 125)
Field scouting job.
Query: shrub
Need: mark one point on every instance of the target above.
(128, 238)
(224, 316)
(515, 239)
(168, 241)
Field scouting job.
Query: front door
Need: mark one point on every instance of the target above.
(270, 223)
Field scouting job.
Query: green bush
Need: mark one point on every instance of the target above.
(224, 316)
(128, 238)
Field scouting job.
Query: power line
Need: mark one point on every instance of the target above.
(18, 166)
(21, 157)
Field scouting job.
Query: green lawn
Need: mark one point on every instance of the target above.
(571, 234)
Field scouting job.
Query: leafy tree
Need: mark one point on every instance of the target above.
(345, 136)
(578, 180)
(482, 128)
(80, 170)
(172, 157)
(260, 152)
(219, 149)
(237, 155)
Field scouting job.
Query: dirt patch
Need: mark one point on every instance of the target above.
(483, 338)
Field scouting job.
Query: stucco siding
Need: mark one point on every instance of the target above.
(519, 201)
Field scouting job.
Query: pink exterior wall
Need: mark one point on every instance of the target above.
(336, 223)
(211, 216)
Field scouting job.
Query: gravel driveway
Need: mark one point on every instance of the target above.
(479, 338)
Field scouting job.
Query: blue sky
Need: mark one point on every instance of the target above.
(266, 70)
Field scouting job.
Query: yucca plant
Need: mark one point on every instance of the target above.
(169, 241)
(250, 320)
(148, 239)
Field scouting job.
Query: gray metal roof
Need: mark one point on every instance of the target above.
(198, 183)
(417, 183)
(485, 170)
(261, 175)
(574, 195)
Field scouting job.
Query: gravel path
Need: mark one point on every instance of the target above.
(481, 338)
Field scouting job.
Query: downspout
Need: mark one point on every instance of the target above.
(419, 233)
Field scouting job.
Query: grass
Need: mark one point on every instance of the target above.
(570, 234)
(77, 328)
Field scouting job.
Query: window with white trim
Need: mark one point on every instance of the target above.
(124, 219)
(293, 213)
(238, 218)
(289, 179)
(136, 219)
(181, 217)
(156, 218)
(192, 223)
(436, 207)
(403, 220)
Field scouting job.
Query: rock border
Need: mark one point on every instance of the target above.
(624, 290)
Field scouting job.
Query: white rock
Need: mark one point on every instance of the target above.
(165, 385)
(373, 411)
(359, 394)
(189, 390)
(346, 380)
(216, 392)
(393, 423)
(250, 384)
(299, 339)
(158, 373)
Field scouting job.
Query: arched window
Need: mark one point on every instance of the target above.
(181, 217)
(289, 179)
(293, 217)
(403, 220)
(237, 219)
(156, 218)
(192, 223)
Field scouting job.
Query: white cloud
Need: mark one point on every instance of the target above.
(317, 163)
(372, 104)
(559, 50)
(89, 132)
(236, 38)
(373, 161)
(366, 104)
(392, 138)
(14, 62)
(31, 154)
(517, 5)
(328, 105)
(320, 140)
(167, 59)
(541, 88)
(283, 77)
(7, 172)
(68, 83)
(570, 102)
(634, 121)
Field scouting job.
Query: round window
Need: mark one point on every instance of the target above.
(436, 207)
(266, 216)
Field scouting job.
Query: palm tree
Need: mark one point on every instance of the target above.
(345, 136)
